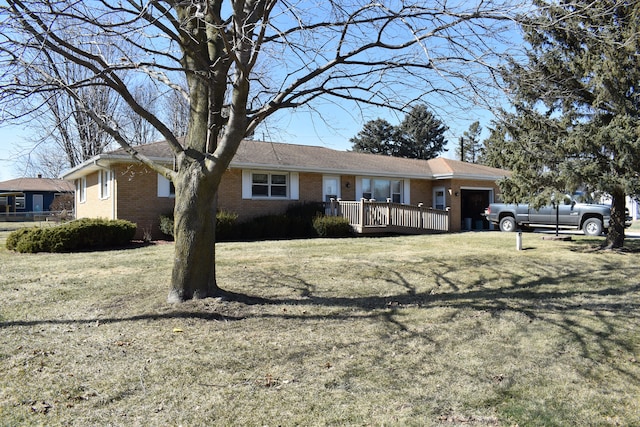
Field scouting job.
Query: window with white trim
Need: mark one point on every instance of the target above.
(104, 181)
(271, 185)
(382, 189)
(81, 189)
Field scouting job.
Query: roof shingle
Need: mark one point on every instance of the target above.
(37, 184)
(259, 154)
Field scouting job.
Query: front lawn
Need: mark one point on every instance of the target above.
(446, 330)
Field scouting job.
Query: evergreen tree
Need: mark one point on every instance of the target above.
(376, 137)
(578, 103)
(470, 147)
(419, 136)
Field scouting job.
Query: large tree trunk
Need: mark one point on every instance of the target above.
(615, 235)
(194, 274)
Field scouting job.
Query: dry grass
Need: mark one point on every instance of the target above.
(427, 330)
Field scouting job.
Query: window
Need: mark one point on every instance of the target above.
(438, 198)
(165, 187)
(104, 181)
(396, 191)
(20, 202)
(268, 185)
(366, 189)
(81, 189)
(383, 189)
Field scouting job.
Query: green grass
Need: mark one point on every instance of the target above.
(455, 329)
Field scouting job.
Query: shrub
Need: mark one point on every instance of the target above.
(166, 225)
(15, 236)
(266, 227)
(332, 226)
(295, 223)
(225, 225)
(80, 234)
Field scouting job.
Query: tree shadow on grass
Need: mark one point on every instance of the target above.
(631, 246)
(109, 320)
(580, 301)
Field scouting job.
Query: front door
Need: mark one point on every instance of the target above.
(330, 190)
(38, 202)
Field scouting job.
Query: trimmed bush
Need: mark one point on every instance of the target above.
(332, 226)
(166, 225)
(225, 225)
(81, 234)
(295, 223)
(15, 236)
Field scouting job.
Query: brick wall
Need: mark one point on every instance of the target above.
(134, 197)
(421, 191)
(138, 201)
(230, 196)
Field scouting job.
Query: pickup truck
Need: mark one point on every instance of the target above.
(591, 218)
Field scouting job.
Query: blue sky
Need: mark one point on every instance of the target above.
(332, 125)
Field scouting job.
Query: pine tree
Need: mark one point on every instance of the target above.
(578, 103)
(470, 147)
(376, 137)
(419, 136)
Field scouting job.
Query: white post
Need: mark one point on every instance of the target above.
(519, 240)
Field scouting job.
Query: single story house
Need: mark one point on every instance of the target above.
(266, 177)
(26, 197)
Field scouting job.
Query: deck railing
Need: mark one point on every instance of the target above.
(369, 216)
(36, 216)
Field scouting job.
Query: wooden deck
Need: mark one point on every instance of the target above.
(369, 217)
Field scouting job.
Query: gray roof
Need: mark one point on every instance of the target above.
(307, 158)
(36, 184)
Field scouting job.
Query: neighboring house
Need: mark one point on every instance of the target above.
(26, 197)
(266, 178)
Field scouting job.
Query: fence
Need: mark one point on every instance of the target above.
(36, 216)
(368, 216)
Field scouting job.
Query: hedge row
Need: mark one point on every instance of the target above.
(81, 234)
(299, 221)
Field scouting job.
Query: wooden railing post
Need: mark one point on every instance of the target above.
(361, 213)
(421, 215)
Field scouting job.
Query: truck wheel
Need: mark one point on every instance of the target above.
(508, 224)
(592, 227)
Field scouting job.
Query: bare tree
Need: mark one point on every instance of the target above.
(139, 130)
(176, 111)
(243, 61)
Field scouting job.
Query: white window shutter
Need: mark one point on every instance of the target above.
(406, 192)
(294, 186)
(246, 184)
